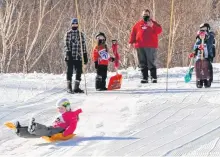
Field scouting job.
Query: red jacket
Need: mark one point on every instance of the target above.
(68, 121)
(100, 54)
(143, 36)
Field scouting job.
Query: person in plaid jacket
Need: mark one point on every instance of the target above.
(73, 56)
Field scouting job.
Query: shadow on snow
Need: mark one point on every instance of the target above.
(77, 140)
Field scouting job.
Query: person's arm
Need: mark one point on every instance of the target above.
(59, 122)
(67, 46)
(85, 57)
(132, 38)
(72, 127)
(197, 44)
(157, 27)
(67, 41)
(95, 55)
(213, 48)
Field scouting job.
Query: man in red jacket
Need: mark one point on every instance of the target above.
(144, 37)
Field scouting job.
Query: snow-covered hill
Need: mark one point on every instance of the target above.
(137, 120)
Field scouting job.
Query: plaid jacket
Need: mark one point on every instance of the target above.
(72, 45)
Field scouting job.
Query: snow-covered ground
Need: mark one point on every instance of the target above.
(137, 120)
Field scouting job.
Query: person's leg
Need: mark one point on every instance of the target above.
(151, 61)
(42, 130)
(211, 71)
(78, 69)
(22, 131)
(69, 75)
(98, 82)
(143, 64)
(104, 77)
(199, 83)
(198, 69)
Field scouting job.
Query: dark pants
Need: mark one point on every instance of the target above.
(101, 76)
(74, 65)
(211, 71)
(147, 59)
(38, 131)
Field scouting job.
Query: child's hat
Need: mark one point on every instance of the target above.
(100, 34)
(64, 102)
(203, 25)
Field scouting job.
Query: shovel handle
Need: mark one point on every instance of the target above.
(191, 62)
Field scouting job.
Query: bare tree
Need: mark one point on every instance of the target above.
(9, 28)
(30, 58)
(32, 31)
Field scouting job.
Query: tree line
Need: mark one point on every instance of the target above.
(32, 31)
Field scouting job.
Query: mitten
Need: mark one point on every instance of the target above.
(191, 55)
(201, 47)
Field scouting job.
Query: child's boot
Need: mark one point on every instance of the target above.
(98, 82)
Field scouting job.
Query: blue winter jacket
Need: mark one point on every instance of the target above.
(209, 51)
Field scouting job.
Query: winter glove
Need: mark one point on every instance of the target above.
(201, 47)
(112, 59)
(191, 55)
(85, 58)
(96, 64)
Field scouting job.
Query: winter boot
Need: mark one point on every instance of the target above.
(98, 82)
(199, 83)
(103, 85)
(207, 83)
(144, 81)
(153, 73)
(69, 87)
(76, 87)
(22, 131)
(18, 126)
(31, 126)
(153, 80)
(144, 72)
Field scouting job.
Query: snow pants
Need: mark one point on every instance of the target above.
(38, 131)
(101, 76)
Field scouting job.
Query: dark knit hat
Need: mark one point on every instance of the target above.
(74, 21)
(205, 25)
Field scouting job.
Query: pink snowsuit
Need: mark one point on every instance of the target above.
(67, 121)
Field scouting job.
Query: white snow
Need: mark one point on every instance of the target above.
(137, 120)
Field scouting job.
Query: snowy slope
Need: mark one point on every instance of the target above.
(137, 120)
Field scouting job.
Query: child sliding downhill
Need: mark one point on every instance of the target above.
(64, 125)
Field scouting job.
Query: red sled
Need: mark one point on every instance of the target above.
(115, 82)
